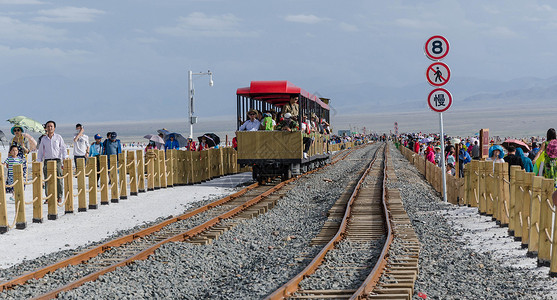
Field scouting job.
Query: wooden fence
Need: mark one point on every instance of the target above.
(432, 173)
(522, 202)
(130, 173)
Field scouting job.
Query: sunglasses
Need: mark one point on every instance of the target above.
(16, 130)
(251, 114)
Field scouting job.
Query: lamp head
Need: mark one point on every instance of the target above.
(210, 78)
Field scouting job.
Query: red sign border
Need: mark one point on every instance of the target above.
(450, 99)
(429, 55)
(428, 69)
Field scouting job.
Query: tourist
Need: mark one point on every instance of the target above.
(80, 144)
(22, 143)
(252, 124)
(52, 148)
(526, 161)
(512, 159)
(13, 159)
(496, 155)
(171, 143)
(539, 159)
(292, 106)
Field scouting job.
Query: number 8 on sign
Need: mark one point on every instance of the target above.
(436, 47)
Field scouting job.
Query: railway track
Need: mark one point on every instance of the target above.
(370, 221)
(199, 226)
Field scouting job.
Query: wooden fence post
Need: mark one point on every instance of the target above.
(157, 174)
(533, 243)
(151, 172)
(526, 205)
(19, 196)
(37, 192)
(122, 175)
(68, 186)
(81, 188)
(105, 188)
(140, 171)
(206, 165)
(162, 169)
(484, 167)
(52, 190)
(169, 164)
(504, 195)
(490, 188)
(546, 214)
(553, 264)
(176, 167)
(133, 172)
(514, 187)
(114, 179)
(93, 179)
(4, 226)
(516, 220)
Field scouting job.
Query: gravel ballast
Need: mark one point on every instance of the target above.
(448, 268)
(247, 262)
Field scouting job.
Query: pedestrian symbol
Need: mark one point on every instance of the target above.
(438, 74)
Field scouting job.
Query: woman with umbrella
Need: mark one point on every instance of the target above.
(22, 143)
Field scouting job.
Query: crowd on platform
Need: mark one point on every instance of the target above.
(50, 146)
(537, 154)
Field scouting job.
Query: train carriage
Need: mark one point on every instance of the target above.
(280, 153)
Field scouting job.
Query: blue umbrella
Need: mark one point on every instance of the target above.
(497, 147)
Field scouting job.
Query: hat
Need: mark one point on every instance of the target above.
(113, 135)
(252, 111)
(17, 126)
(287, 115)
(98, 136)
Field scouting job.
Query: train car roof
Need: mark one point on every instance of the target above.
(276, 92)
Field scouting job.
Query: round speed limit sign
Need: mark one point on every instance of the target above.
(436, 47)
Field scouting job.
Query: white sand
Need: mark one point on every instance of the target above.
(80, 228)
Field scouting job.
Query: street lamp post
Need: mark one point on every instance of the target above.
(191, 92)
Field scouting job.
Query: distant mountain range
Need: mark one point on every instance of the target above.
(468, 93)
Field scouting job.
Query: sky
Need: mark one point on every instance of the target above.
(106, 61)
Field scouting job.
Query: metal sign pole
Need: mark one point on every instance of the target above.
(443, 169)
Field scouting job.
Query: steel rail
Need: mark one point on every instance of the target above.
(93, 252)
(371, 281)
(144, 254)
(293, 284)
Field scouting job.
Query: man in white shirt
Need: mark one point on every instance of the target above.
(80, 144)
(252, 124)
(52, 147)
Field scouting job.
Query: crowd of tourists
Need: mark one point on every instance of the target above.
(536, 154)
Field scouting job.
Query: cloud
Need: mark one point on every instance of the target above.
(501, 32)
(20, 2)
(13, 29)
(199, 24)
(68, 15)
(417, 24)
(348, 27)
(42, 52)
(307, 19)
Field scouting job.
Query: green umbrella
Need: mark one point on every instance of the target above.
(27, 123)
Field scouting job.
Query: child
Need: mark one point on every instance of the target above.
(9, 163)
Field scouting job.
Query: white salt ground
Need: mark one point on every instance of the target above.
(81, 228)
(483, 235)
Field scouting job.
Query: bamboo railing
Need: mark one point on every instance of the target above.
(522, 202)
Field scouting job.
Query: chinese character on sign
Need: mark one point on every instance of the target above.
(439, 100)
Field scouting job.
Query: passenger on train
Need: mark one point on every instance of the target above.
(287, 124)
(292, 107)
(268, 123)
(252, 124)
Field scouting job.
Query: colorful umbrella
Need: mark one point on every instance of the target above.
(516, 143)
(27, 123)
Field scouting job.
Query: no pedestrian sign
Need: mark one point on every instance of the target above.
(436, 47)
(438, 74)
(439, 100)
